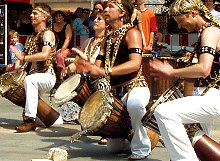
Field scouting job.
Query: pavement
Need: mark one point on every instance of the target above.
(35, 145)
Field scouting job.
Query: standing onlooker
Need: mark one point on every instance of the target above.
(14, 41)
(136, 20)
(78, 28)
(63, 32)
(210, 5)
(89, 22)
(24, 26)
(149, 23)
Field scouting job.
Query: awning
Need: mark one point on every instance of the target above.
(22, 1)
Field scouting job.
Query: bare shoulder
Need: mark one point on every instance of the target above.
(133, 38)
(133, 33)
(211, 37)
(49, 36)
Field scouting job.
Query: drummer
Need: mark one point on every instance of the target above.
(38, 58)
(123, 69)
(92, 49)
(170, 116)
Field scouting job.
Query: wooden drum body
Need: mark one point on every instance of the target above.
(158, 87)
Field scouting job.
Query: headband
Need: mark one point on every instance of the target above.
(117, 4)
(42, 11)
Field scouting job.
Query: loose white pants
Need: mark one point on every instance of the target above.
(136, 102)
(172, 115)
(35, 85)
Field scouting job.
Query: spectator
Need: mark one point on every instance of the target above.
(149, 23)
(89, 22)
(136, 20)
(14, 40)
(78, 28)
(24, 24)
(77, 13)
(210, 5)
(63, 32)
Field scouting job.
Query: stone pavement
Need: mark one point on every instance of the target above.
(35, 145)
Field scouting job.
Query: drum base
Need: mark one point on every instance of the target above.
(207, 149)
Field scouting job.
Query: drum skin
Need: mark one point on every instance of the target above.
(104, 115)
(12, 88)
(75, 88)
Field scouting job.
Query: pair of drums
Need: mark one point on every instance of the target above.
(101, 114)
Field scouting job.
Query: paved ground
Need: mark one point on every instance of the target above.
(35, 145)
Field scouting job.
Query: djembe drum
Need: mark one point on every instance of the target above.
(12, 88)
(104, 115)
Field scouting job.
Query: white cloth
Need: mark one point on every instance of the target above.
(172, 115)
(136, 101)
(35, 85)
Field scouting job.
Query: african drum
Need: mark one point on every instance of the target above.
(12, 88)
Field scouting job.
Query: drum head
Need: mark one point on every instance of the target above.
(66, 91)
(11, 80)
(94, 111)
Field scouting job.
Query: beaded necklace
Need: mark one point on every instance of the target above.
(97, 45)
(121, 31)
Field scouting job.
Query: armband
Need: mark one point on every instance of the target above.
(135, 50)
(47, 43)
(207, 49)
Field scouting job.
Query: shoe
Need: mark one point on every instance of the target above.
(28, 125)
(134, 156)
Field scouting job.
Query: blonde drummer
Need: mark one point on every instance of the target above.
(170, 116)
(38, 58)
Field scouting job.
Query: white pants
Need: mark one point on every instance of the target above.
(35, 85)
(172, 115)
(136, 102)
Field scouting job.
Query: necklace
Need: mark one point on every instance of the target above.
(122, 31)
(97, 45)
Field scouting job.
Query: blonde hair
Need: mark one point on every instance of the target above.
(179, 7)
(13, 33)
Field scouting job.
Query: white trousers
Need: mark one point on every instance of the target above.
(136, 102)
(35, 85)
(172, 115)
